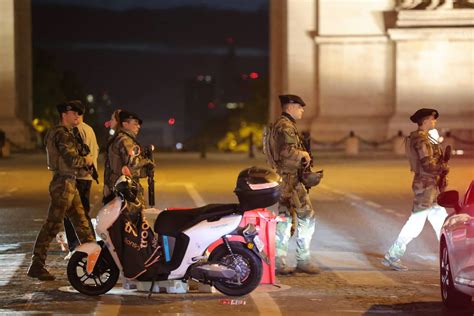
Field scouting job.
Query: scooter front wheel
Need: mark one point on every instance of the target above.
(102, 279)
(243, 261)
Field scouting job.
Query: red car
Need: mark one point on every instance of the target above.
(456, 259)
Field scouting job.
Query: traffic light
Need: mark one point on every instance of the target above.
(253, 75)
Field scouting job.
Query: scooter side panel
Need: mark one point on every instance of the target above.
(108, 215)
(92, 250)
(201, 236)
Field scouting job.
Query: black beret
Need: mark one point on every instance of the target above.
(126, 115)
(421, 113)
(290, 98)
(74, 105)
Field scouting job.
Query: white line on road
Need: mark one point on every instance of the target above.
(352, 196)
(369, 203)
(10, 264)
(265, 303)
(8, 193)
(373, 204)
(197, 198)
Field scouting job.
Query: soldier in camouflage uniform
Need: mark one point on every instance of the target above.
(289, 156)
(425, 156)
(65, 162)
(120, 154)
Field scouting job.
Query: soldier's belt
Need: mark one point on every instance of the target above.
(62, 175)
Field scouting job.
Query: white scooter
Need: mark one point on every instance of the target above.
(177, 247)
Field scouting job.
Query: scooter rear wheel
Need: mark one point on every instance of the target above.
(100, 281)
(247, 265)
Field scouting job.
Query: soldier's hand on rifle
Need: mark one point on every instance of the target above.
(445, 168)
(150, 165)
(89, 160)
(306, 159)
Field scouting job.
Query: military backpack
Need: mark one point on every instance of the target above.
(269, 145)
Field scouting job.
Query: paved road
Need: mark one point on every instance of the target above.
(361, 204)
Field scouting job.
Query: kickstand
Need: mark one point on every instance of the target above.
(151, 288)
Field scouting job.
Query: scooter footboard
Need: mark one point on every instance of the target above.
(93, 250)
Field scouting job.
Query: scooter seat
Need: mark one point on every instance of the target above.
(171, 222)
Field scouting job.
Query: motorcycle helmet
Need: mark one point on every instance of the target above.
(311, 179)
(126, 188)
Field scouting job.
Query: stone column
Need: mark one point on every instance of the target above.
(354, 70)
(15, 70)
(435, 67)
(292, 55)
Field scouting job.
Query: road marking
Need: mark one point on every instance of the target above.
(197, 198)
(265, 303)
(353, 197)
(432, 258)
(6, 247)
(359, 199)
(373, 204)
(8, 193)
(193, 193)
(353, 267)
(108, 305)
(10, 264)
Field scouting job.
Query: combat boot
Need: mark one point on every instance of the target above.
(37, 270)
(307, 266)
(282, 267)
(394, 264)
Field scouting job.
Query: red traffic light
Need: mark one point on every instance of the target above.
(253, 75)
(171, 121)
(211, 105)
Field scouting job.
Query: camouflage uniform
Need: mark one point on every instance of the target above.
(426, 162)
(65, 161)
(118, 155)
(289, 152)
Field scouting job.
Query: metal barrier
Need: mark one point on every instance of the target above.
(352, 142)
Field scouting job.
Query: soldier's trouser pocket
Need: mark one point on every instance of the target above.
(62, 192)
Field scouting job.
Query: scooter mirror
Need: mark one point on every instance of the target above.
(126, 171)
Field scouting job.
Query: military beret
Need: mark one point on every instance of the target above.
(290, 98)
(74, 105)
(126, 115)
(421, 113)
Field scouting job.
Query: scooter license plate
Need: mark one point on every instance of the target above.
(260, 245)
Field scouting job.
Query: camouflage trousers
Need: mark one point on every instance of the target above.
(294, 196)
(425, 190)
(65, 200)
(413, 227)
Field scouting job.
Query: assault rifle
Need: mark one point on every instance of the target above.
(307, 146)
(307, 177)
(84, 150)
(148, 153)
(442, 181)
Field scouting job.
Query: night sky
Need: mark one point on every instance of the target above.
(120, 5)
(144, 52)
